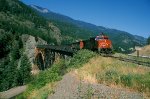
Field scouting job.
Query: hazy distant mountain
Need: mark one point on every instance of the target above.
(140, 38)
(42, 10)
(122, 41)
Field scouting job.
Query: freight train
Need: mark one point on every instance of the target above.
(100, 43)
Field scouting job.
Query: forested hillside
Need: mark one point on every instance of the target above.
(16, 19)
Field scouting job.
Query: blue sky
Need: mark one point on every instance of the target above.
(132, 16)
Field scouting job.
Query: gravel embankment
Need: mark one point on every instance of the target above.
(70, 87)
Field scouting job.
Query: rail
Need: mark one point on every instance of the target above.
(139, 62)
(61, 49)
(64, 49)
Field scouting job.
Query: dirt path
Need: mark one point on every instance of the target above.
(72, 88)
(12, 92)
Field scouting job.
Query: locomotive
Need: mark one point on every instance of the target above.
(100, 43)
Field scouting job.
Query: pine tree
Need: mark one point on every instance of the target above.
(15, 50)
(8, 74)
(3, 65)
(12, 73)
(24, 71)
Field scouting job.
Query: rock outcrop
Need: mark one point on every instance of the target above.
(29, 43)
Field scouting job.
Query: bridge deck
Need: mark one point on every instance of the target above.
(67, 50)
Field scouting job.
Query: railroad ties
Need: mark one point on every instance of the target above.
(45, 55)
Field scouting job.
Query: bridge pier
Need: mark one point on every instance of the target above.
(49, 58)
(46, 56)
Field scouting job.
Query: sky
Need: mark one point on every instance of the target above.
(132, 16)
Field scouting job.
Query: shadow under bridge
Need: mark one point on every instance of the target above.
(45, 55)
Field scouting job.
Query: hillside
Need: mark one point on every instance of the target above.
(18, 18)
(70, 32)
(145, 51)
(20, 30)
(122, 41)
(90, 77)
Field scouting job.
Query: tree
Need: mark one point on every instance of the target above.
(11, 74)
(3, 5)
(15, 50)
(8, 75)
(24, 73)
(148, 40)
(5, 39)
(3, 66)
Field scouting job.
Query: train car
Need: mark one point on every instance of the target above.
(101, 43)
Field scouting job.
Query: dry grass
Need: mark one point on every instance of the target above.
(145, 51)
(110, 71)
(35, 70)
(101, 64)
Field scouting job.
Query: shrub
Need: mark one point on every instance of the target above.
(112, 76)
(51, 75)
(142, 82)
(80, 58)
(43, 78)
(109, 76)
(126, 80)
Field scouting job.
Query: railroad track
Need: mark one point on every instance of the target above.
(132, 61)
(70, 51)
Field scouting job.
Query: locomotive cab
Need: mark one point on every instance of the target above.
(104, 45)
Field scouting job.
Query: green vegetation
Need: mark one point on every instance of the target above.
(71, 32)
(24, 73)
(50, 75)
(13, 74)
(87, 94)
(139, 82)
(113, 72)
(10, 55)
(93, 68)
(23, 20)
(53, 74)
(17, 19)
(82, 57)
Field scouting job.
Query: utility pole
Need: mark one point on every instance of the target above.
(138, 50)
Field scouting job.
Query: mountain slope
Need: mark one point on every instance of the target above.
(70, 32)
(122, 41)
(17, 19)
